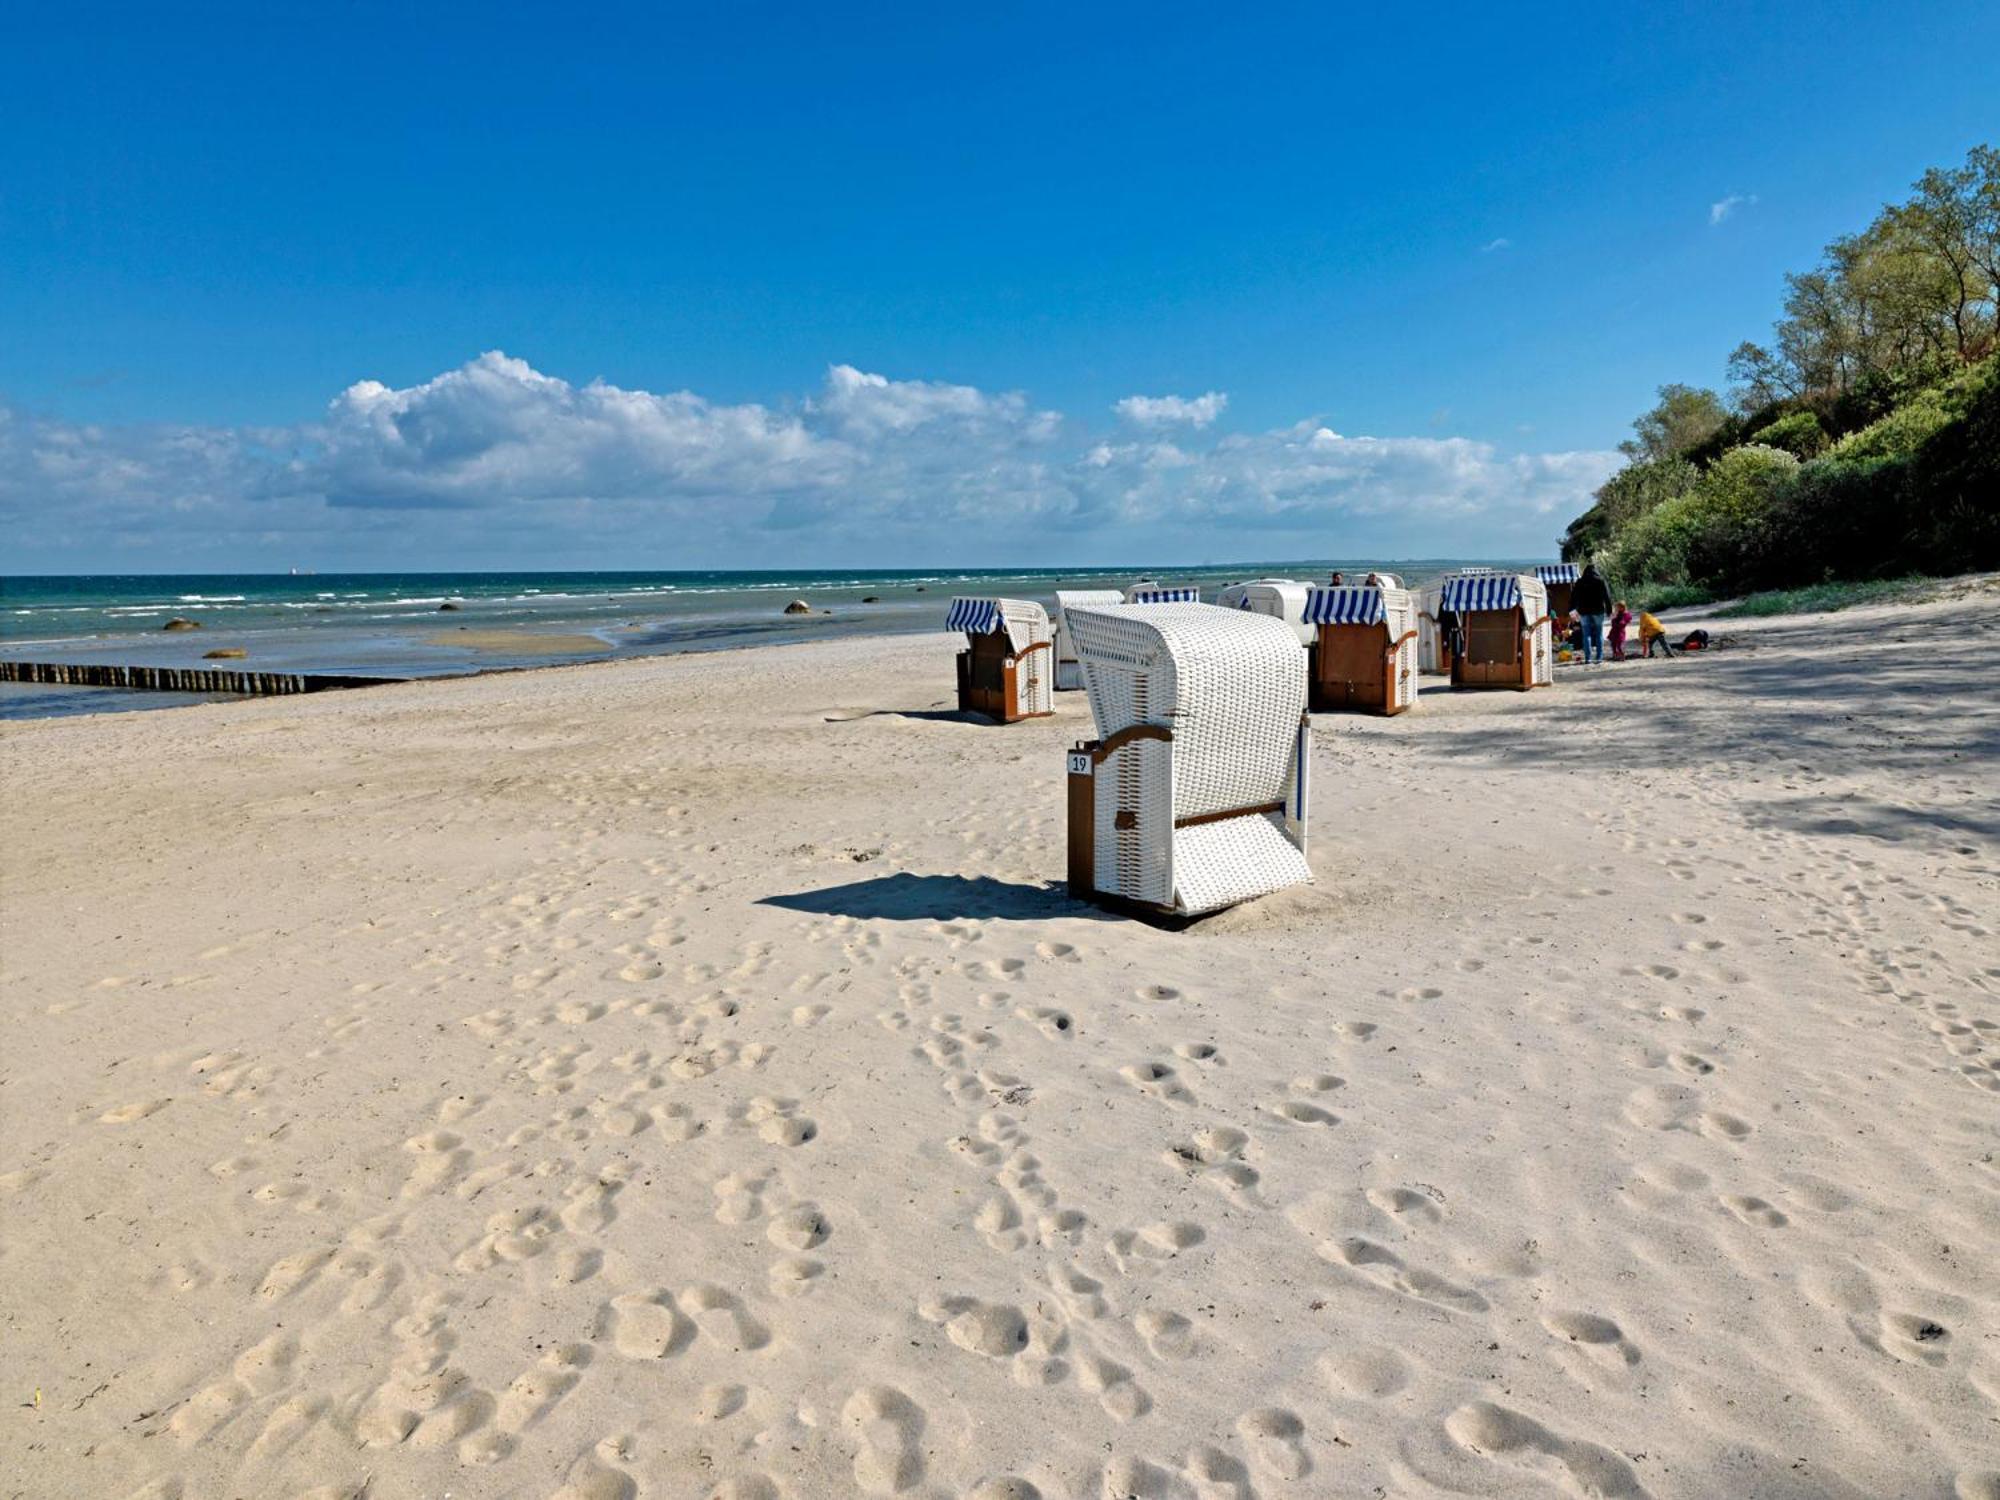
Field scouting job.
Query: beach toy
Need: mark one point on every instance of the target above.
(1193, 796)
(1503, 636)
(1007, 669)
(1069, 672)
(1281, 598)
(1365, 659)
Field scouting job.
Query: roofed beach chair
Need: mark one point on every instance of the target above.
(1281, 598)
(1069, 672)
(1558, 579)
(1007, 669)
(1433, 633)
(1193, 796)
(1366, 657)
(1504, 637)
(1151, 591)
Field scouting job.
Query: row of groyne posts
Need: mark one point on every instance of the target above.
(181, 679)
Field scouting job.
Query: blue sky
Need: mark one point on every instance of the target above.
(1477, 237)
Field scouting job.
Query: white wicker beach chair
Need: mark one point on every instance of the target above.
(1149, 591)
(1432, 648)
(1007, 670)
(1069, 672)
(1504, 638)
(1193, 797)
(1281, 598)
(1366, 655)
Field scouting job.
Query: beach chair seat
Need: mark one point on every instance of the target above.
(1007, 669)
(1193, 797)
(1147, 591)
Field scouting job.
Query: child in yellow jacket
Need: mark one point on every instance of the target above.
(1651, 633)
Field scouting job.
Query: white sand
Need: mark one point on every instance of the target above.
(411, 1093)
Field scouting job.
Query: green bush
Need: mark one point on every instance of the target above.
(1926, 413)
(1799, 434)
(1659, 596)
(1716, 532)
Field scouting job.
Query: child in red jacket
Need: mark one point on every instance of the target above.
(1621, 619)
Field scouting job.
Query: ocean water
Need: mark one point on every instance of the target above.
(393, 624)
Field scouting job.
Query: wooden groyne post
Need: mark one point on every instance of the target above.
(182, 679)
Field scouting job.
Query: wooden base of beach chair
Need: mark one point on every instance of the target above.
(1355, 670)
(1081, 873)
(989, 678)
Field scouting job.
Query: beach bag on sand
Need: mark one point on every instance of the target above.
(1697, 640)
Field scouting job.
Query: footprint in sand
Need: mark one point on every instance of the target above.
(1600, 1337)
(1366, 1373)
(1385, 1268)
(646, 1325)
(125, 1114)
(887, 1427)
(993, 1329)
(1754, 1211)
(1405, 1205)
(1166, 1335)
(1053, 1024)
(1112, 1384)
(1275, 1439)
(1495, 1432)
(1157, 1079)
(1140, 1251)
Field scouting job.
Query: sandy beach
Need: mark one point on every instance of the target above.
(686, 1077)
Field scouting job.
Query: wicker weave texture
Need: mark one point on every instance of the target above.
(1231, 686)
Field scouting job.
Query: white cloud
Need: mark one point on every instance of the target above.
(497, 464)
(1492, 246)
(1722, 208)
(1165, 411)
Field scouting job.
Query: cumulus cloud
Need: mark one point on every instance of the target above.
(496, 463)
(1722, 208)
(1168, 411)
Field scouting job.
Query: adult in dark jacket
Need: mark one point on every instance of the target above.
(1591, 598)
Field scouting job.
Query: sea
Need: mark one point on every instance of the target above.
(404, 624)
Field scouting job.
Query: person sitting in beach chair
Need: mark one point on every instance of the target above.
(1652, 633)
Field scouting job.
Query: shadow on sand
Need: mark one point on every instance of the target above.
(943, 715)
(938, 898)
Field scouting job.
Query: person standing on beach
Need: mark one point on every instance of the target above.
(1591, 598)
(1621, 621)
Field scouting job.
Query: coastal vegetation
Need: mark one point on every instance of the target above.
(1862, 442)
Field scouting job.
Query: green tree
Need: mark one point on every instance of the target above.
(1685, 417)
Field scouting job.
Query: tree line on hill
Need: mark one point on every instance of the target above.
(1863, 441)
